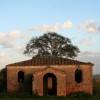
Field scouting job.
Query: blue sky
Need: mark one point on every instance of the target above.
(24, 13)
(77, 19)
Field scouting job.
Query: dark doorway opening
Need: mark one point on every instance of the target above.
(49, 84)
(21, 80)
(20, 76)
(28, 83)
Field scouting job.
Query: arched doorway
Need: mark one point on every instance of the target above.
(49, 84)
(21, 80)
(20, 76)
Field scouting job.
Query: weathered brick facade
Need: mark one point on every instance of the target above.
(63, 69)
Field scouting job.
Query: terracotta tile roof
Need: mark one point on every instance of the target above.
(48, 61)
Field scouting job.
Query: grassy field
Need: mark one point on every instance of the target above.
(80, 96)
(73, 97)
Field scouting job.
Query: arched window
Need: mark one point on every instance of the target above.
(78, 76)
(21, 76)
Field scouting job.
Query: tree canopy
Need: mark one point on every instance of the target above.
(51, 44)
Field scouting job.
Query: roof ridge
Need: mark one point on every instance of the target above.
(48, 61)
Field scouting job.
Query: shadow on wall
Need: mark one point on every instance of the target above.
(25, 82)
(3, 80)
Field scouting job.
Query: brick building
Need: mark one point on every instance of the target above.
(50, 76)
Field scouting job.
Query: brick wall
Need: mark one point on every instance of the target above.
(65, 75)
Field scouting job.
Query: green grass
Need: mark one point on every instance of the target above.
(29, 97)
(77, 96)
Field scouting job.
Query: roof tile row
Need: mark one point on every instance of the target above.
(48, 60)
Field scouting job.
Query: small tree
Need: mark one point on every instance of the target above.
(51, 44)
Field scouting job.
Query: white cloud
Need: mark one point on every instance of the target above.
(92, 57)
(52, 28)
(90, 54)
(67, 25)
(88, 41)
(90, 26)
(19, 48)
(8, 40)
(4, 41)
(8, 56)
(12, 45)
(4, 59)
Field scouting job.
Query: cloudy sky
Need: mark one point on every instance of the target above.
(20, 20)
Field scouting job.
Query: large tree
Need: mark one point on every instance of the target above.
(51, 44)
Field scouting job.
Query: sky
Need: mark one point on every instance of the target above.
(20, 20)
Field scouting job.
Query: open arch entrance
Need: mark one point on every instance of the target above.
(20, 76)
(49, 84)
